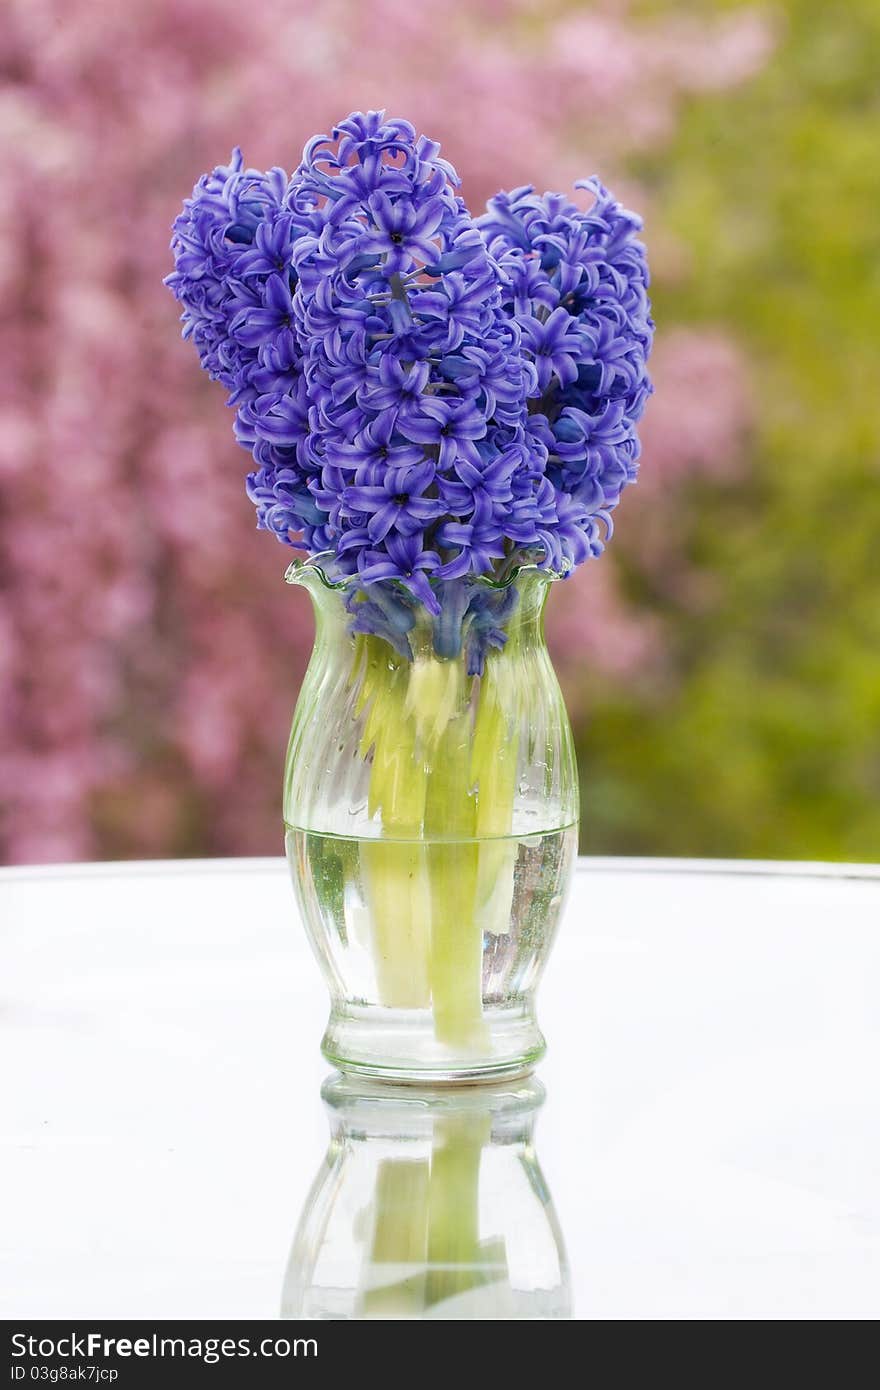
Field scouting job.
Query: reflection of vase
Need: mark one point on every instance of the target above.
(431, 809)
(430, 1204)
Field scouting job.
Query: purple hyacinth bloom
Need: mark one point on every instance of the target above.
(403, 558)
(576, 283)
(557, 343)
(480, 544)
(377, 447)
(449, 425)
(480, 492)
(401, 231)
(212, 239)
(254, 327)
(397, 502)
(429, 396)
(398, 389)
(270, 251)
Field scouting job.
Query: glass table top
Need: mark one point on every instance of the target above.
(701, 1141)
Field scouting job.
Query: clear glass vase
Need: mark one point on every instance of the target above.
(430, 1204)
(431, 810)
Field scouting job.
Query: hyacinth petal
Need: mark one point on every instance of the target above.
(456, 568)
(420, 430)
(382, 521)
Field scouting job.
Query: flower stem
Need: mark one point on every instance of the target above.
(456, 940)
(441, 877)
(493, 773)
(395, 869)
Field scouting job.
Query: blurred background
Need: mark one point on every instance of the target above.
(721, 661)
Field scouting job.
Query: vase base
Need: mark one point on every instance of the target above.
(400, 1045)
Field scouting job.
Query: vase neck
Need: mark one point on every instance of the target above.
(464, 619)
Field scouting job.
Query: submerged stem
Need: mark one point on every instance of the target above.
(456, 940)
(395, 867)
(443, 781)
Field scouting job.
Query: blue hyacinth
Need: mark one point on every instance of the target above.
(428, 396)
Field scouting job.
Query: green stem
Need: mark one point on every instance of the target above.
(456, 940)
(395, 868)
(493, 773)
(443, 782)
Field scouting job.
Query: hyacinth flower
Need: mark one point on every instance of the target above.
(442, 414)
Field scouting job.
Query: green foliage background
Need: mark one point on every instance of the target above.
(764, 738)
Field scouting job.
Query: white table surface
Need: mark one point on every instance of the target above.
(711, 1135)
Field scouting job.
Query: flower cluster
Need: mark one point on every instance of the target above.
(402, 447)
(576, 284)
(232, 249)
(427, 396)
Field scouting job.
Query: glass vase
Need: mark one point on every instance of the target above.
(429, 1205)
(431, 811)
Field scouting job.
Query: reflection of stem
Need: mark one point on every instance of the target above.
(457, 1260)
(426, 1245)
(399, 1245)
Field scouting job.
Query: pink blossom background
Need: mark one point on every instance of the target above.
(149, 652)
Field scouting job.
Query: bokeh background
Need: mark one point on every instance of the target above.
(721, 661)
